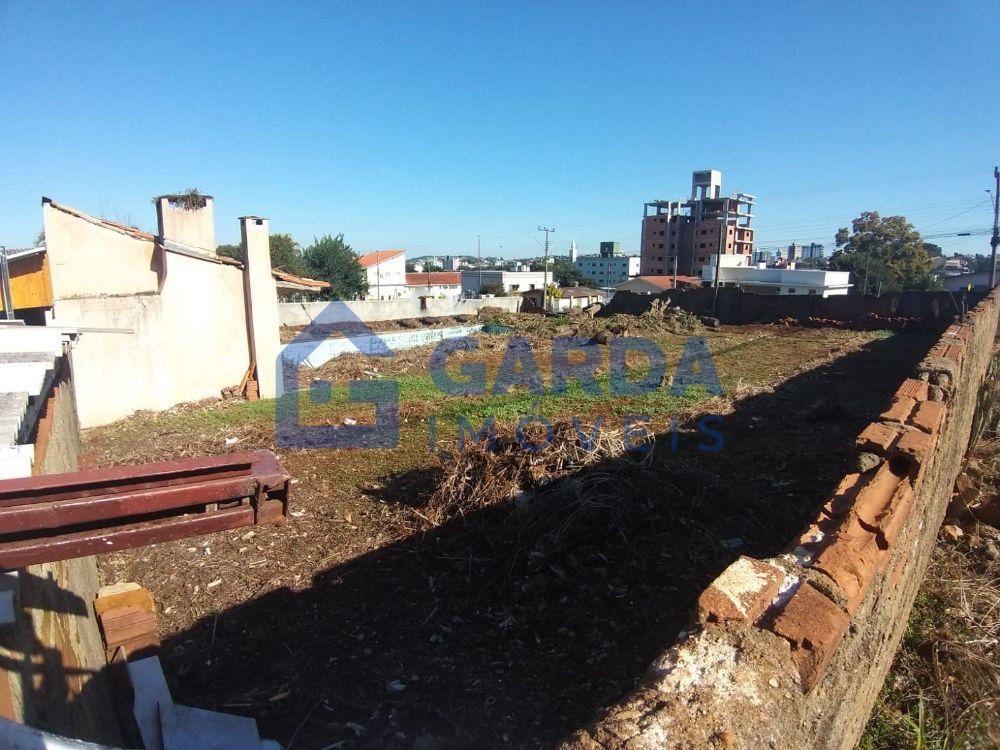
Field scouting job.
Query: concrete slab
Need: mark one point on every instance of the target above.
(151, 692)
(185, 728)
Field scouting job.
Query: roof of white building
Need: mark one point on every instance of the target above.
(378, 256)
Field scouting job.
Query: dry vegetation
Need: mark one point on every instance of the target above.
(490, 599)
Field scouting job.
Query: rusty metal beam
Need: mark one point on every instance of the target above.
(60, 516)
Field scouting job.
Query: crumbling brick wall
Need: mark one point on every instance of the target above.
(790, 652)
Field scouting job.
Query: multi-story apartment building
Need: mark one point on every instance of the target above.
(610, 268)
(679, 236)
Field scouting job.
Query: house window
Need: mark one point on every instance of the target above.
(812, 291)
(704, 231)
(791, 290)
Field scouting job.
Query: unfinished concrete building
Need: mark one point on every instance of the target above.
(679, 236)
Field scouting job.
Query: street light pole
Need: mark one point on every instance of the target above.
(995, 240)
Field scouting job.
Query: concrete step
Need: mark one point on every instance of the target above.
(16, 461)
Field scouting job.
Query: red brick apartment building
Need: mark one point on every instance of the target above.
(681, 236)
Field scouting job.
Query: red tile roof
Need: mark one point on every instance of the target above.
(301, 280)
(436, 278)
(370, 259)
(667, 282)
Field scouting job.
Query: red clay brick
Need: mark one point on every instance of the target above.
(927, 416)
(899, 410)
(877, 438)
(938, 350)
(915, 389)
(963, 333)
(815, 626)
(875, 496)
(915, 445)
(851, 561)
(743, 591)
(902, 504)
(843, 498)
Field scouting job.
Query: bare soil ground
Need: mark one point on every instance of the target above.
(365, 622)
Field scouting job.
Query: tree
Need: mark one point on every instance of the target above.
(285, 254)
(331, 259)
(932, 250)
(562, 272)
(883, 254)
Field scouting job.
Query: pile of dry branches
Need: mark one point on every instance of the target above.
(578, 485)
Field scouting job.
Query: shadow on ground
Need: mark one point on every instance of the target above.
(440, 641)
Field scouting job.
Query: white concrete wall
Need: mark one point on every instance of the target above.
(315, 353)
(190, 226)
(186, 343)
(435, 290)
(86, 259)
(304, 313)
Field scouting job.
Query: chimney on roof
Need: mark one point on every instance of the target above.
(187, 218)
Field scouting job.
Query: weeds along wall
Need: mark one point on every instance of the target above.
(791, 651)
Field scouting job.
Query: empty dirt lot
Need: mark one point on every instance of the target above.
(368, 621)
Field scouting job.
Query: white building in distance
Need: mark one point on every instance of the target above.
(735, 270)
(608, 271)
(440, 285)
(386, 271)
(511, 281)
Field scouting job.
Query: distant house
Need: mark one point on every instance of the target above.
(735, 271)
(570, 297)
(977, 282)
(510, 281)
(447, 284)
(657, 284)
(386, 274)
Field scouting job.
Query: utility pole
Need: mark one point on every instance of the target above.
(545, 268)
(723, 243)
(479, 256)
(995, 240)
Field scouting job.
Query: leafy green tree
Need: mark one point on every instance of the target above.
(932, 250)
(563, 272)
(883, 254)
(331, 259)
(231, 251)
(285, 254)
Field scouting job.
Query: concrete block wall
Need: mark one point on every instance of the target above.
(791, 652)
(371, 310)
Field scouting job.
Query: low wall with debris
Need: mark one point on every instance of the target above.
(738, 307)
(53, 672)
(790, 652)
(370, 310)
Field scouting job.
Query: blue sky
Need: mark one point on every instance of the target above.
(421, 125)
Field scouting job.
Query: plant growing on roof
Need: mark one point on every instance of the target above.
(191, 199)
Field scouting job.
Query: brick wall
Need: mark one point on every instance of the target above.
(738, 307)
(790, 652)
